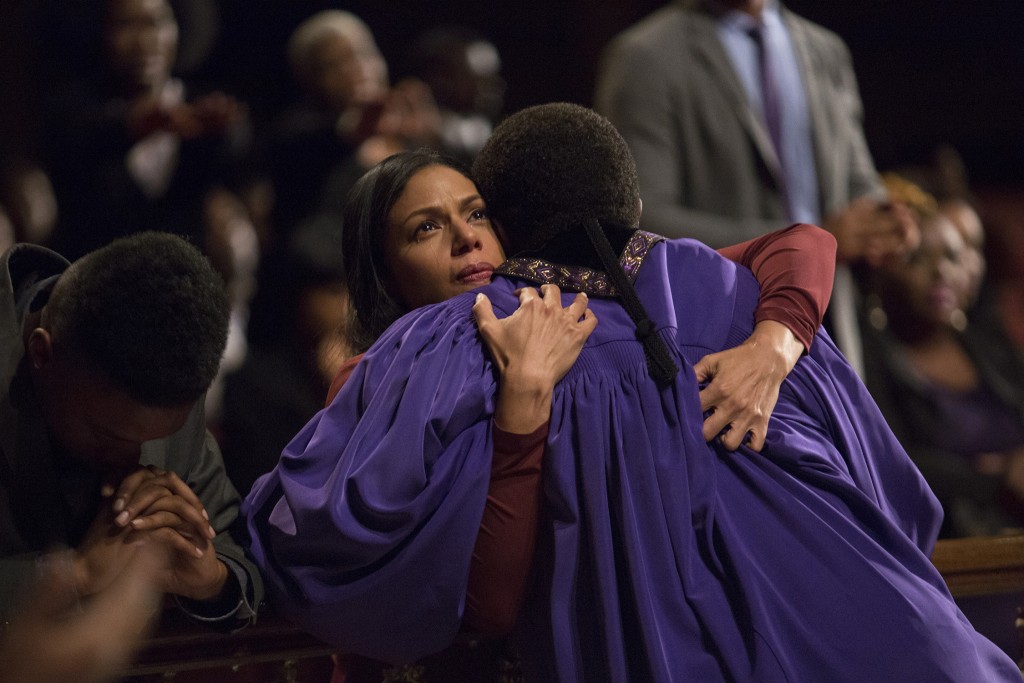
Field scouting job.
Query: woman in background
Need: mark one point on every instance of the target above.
(952, 390)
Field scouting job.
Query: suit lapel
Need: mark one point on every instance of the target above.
(709, 52)
(37, 505)
(28, 470)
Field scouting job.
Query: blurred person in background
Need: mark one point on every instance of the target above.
(952, 389)
(131, 146)
(463, 70)
(1006, 264)
(27, 194)
(284, 378)
(351, 117)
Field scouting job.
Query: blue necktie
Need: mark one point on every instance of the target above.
(770, 102)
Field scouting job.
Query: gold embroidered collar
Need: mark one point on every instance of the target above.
(580, 278)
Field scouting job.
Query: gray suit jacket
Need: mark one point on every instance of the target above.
(706, 163)
(34, 512)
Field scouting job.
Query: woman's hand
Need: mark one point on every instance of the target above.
(533, 348)
(743, 384)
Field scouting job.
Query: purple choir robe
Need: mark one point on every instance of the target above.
(660, 557)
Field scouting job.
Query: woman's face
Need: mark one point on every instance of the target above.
(439, 240)
(933, 279)
(967, 221)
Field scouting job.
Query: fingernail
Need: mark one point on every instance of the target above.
(205, 515)
(121, 519)
(118, 504)
(199, 552)
(106, 490)
(135, 523)
(479, 298)
(210, 532)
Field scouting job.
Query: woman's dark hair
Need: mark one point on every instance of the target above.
(364, 228)
(150, 311)
(551, 168)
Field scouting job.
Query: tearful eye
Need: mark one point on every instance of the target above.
(478, 215)
(426, 227)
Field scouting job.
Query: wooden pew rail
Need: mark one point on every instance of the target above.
(274, 649)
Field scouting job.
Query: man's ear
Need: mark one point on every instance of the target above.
(39, 347)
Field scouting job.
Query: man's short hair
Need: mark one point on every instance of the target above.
(150, 311)
(547, 169)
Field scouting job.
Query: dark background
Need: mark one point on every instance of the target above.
(930, 72)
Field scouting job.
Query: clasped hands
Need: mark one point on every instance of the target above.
(151, 506)
(209, 115)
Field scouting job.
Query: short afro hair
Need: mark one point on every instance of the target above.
(150, 311)
(547, 169)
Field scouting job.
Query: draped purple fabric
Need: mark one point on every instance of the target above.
(660, 557)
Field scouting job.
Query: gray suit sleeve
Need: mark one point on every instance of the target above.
(864, 178)
(635, 92)
(194, 455)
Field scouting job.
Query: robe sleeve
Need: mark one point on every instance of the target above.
(795, 268)
(365, 528)
(504, 547)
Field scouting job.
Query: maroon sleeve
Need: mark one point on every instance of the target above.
(795, 268)
(504, 546)
(344, 372)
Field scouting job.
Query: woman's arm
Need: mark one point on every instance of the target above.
(794, 267)
(504, 547)
(344, 372)
(533, 348)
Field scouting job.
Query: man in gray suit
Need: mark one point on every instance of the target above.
(744, 117)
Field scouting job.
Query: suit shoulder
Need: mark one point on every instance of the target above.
(666, 26)
(816, 35)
